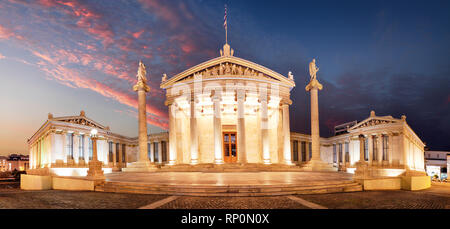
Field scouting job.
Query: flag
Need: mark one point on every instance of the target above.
(225, 18)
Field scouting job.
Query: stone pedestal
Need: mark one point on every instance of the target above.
(362, 171)
(316, 163)
(95, 171)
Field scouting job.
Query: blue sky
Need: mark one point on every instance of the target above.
(63, 56)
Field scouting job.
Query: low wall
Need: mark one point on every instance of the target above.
(410, 183)
(393, 183)
(74, 184)
(35, 182)
(416, 182)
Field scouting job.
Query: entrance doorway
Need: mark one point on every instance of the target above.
(229, 147)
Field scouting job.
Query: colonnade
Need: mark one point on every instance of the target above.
(157, 146)
(240, 98)
(74, 149)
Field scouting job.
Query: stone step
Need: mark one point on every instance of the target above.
(212, 186)
(230, 190)
(226, 189)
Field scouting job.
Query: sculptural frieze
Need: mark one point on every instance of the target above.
(227, 68)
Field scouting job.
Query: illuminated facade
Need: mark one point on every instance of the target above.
(64, 145)
(389, 145)
(228, 111)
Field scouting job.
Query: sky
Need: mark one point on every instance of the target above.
(64, 56)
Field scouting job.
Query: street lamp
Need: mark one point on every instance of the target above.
(95, 171)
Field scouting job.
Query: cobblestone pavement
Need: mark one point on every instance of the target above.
(54, 199)
(433, 198)
(437, 197)
(190, 202)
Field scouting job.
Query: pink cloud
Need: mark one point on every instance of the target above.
(6, 33)
(162, 11)
(54, 67)
(138, 34)
(2, 57)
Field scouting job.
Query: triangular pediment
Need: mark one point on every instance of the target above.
(80, 120)
(229, 67)
(374, 121)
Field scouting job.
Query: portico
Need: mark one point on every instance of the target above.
(229, 110)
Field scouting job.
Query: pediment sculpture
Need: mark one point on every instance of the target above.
(228, 69)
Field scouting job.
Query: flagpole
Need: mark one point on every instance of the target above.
(226, 25)
(226, 35)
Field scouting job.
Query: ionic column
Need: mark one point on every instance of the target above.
(152, 154)
(64, 151)
(143, 163)
(114, 154)
(265, 130)
(390, 148)
(286, 135)
(86, 148)
(362, 143)
(159, 152)
(370, 145)
(120, 155)
(344, 152)
(307, 150)
(380, 149)
(172, 136)
(194, 135)
(218, 154)
(313, 87)
(76, 143)
(242, 157)
(142, 127)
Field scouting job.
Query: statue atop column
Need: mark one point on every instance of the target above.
(142, 78)
(142, 164)
(313, 69)
(316, 163)
(141, 74)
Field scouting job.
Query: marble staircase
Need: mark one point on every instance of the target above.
(309, 187)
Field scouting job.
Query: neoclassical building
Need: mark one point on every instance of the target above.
(228, 111)
(389, 146)
(64, 145)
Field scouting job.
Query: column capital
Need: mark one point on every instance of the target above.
(240, 94)
(141, 86)
(216, 97)
(314, 84)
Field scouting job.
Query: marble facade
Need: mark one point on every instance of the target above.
(228, 110)
(65, 142)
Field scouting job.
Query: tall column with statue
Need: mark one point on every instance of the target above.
(143, 164)
(316, 163)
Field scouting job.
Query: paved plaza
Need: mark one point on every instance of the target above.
(11, 197)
